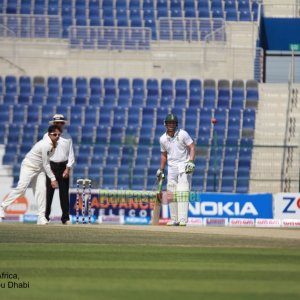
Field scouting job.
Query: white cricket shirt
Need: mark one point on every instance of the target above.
(176, 148)
(64, 150)
(39, 155)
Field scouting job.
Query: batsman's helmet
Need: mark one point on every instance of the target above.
(170, 118)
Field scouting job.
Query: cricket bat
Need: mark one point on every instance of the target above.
(157, 204)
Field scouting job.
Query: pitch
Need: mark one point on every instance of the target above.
(149, 262)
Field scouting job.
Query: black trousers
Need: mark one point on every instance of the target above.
(63, 184)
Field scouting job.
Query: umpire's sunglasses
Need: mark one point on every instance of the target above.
(55, 134)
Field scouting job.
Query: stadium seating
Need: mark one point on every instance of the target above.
(163, 17)
(121, 129)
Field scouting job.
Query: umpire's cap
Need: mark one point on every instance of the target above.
(58, 118)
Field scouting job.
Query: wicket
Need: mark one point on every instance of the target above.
(86, 201)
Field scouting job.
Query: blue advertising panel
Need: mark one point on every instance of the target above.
(204, 205)
(134, 212)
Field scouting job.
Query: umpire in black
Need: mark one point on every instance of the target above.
(61, 163)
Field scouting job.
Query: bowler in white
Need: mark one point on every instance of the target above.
(33, 170)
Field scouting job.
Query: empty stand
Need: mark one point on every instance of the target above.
(118, 125)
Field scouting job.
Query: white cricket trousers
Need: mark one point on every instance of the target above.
(180, 184)
(37, 178)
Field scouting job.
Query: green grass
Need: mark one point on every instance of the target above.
(91, 263)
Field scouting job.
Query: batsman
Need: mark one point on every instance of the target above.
(178, 151)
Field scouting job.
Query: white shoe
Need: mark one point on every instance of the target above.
(42, 221)
(2, 213)
(182, 223)
(172, 223)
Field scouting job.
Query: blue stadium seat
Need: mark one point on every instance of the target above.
(76, 115)
(109, 91)
(101, 134)
(37, 100)
(252, 94)
(233, 121)
(162, 4)
(11, 85)
(151, 23)
(64, 110)
(238, 99)
(96, 86)
(224, 96)
(249, 120)
(191, 120)
(255, 6)
(25, 7)
(108, 180)
(94, 172)
(88, 134)
(227, 185)
(203, 12)
(67, 21)
(216, 4)
(79, 171)
(231, 15)
(25, 81)
(205, 117)
(148, 4)
(221, 114)
(3, 129)
(176, 13)
(10, 155)
(91, 115)
(53, 8)
(152, 88)
(47, 112)
(81, 95)
(84, 154)
(14, 133)
(11, 7)
(5, 112)
(105, 116)
(39, 90)
(180, 92)
(195, 93)
(39, 7)
(29, 135)
(53, 100)
(166, 91)
(33, 114)
(218, 13)
(133, 115)
(97, 159)
(230, 5)
(243, 4)
(19, 113)
(53, 81)
(209, 97)
(94, 100)
(148, 116)
(119, 119)
(190, 12)
(245, 15)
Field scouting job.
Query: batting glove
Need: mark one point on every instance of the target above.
(160, 174)
(190, 167)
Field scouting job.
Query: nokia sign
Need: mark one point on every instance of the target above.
(232, 206)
